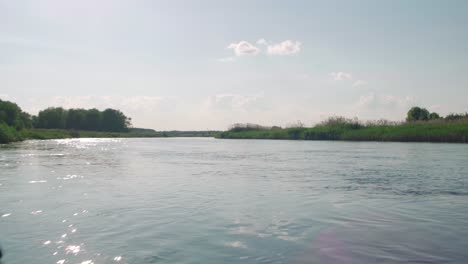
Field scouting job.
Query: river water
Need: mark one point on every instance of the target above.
(203, 200)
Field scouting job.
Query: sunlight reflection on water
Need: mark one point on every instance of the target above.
(226, 201)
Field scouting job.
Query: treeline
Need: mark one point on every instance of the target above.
(13, 120)
(422, 114)
(109, 120)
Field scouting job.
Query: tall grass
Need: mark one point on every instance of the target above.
(339, 128)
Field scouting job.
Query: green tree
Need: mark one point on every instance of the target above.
(114, 120)
(417, 113)
(76, 119)
(12, 115)
(453, 116)
(93, 120)
(52, 117)
(25, 121)
(434, 116)
(81, 119)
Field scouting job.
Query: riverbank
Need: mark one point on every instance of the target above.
(59, 134)
(456, 132)
(12, 135)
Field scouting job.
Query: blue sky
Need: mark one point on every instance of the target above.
(208, 64)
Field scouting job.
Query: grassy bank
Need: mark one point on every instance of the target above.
(9, 134)
(404, 132)
(59, 134)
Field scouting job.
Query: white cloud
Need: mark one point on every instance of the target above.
(359, 83)
(341, 76)
(287, 47)
(244, 48)
(262, 41)
(4, 96)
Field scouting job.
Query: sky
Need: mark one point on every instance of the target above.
(198, 65)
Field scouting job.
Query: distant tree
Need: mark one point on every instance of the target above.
(93, 120)
(114, 120)
(34, 121)
(453, 116)
(25, 121)
(434, 116)
(52, 117)
(9, 113)
(76, 119)
(81, 119)
(12, 115)
(417, 114)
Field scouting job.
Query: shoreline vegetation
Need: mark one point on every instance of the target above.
(60, 123)
(449, 130)
(42, 134)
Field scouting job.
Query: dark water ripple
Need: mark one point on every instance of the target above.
(232, 201)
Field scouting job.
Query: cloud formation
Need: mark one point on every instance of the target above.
(341, 76)
(244, 48)
(287, 47)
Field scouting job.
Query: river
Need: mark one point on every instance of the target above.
(204, 200)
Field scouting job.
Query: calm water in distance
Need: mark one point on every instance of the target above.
(203, 200)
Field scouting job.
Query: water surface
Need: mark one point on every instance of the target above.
(195, 200)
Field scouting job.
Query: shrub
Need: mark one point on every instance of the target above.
(434, 116)
(239, 127)
(8, 134)
(454, 117)
(341, 122)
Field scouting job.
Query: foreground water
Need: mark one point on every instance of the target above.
(232, 201)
